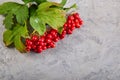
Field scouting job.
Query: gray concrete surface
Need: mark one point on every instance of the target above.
(90, 53)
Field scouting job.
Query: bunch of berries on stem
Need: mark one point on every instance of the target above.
(38, 43)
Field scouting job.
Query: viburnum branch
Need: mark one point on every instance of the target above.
(27, 24)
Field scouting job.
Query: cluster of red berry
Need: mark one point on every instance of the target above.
(39, 43)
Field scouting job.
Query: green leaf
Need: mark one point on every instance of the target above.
(63, 2)
(37, 1)
(8, 21)
(38, 25)
(8, 37)
(32, 9)
(21, 14)
(18, 32)
(27, 1)
(7, 7)
(73, 6)
(51, 16)
(12, 8)
(60, 30)
(14, 36)
(46, 5)
(40, 1)
(18, 44)
(46, 15)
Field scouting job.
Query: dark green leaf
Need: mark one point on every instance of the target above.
(38, 25)
(51, 16)
(18, 44)
(21, 14)
(60, 30)
(15, 35)
(8, 37)
(63, 2)
(73, 6)
(12, 8)
(32, 9)
(20, 30)
(46, 5)
(54, 17)
(37, 1)
(7, 7)
(40, 1)
(8, 21)
(27, 1)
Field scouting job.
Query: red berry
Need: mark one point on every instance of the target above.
(63, 34)
(52, 44)
(28, 48)
(45, 34)
(69, 21)
(76, 21)
(53, 33)
(73, 24)
(72, 28)
(44, 47)
(47, 40)
(81, 22)
(48, 46)
(56, 39)
(40, 43)
(76, 15)
(69, 31)
(53, 30)
(39, 47)
(65, 25)
(34, 38)
(71, 17)
(45, 44)
(29, 42)
(34, 47)
(69, 25)
(35, 50)
(41, 39)
(39, 50)
(64, 28)
(49, 36)
(77, 25)
(27, 39)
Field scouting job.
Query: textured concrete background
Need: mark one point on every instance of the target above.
(90, 53)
